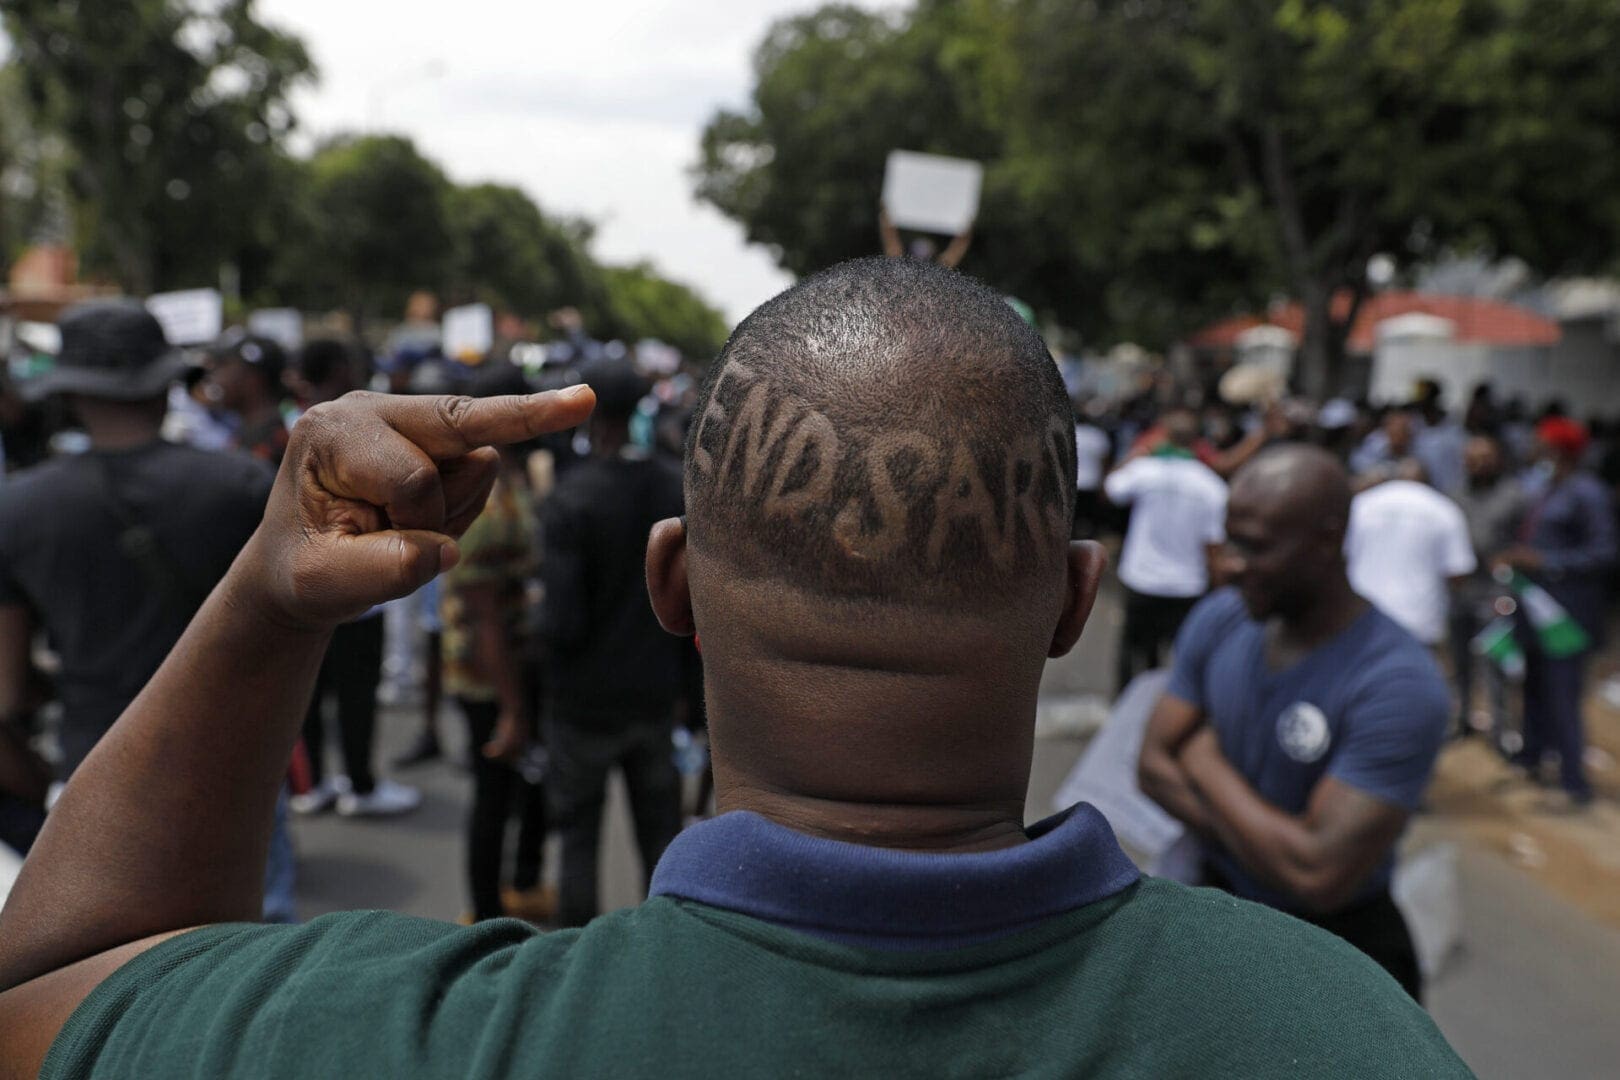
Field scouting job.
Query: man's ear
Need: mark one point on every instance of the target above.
(1087, 560)
(667, 583)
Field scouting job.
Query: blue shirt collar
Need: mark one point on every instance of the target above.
(888, 899)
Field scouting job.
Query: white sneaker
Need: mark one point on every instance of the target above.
(321, 797)
(384, 799)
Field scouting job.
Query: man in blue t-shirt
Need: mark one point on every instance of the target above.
(1301, 724)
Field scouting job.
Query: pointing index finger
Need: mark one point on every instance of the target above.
(447, 427)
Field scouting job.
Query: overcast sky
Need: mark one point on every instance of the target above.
(594, 108)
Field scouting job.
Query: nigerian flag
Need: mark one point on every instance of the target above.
(1498, 644)
(1557, 632)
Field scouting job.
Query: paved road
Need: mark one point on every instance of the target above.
(1534, 992)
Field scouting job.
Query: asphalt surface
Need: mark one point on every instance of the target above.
(1533, 992)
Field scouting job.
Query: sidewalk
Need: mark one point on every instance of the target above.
(1477, 799)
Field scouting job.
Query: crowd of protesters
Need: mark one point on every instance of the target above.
(1466, 518)
(1305, 572)
(878, 578)
(113, 541)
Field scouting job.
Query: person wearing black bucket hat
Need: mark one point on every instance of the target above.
(112, 350)
(112, 551)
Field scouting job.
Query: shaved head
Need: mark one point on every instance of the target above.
(887, 430)
(876, 554)
(1285, 523)
(1297, 483)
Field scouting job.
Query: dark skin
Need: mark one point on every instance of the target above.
(934, 728)
(1285, 526)
(935, 725)
(952, 256)
(245, 392)
(366, 508)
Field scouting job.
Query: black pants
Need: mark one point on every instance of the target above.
(1375, 926)
(582, 754)
(1151, 623)
(20, 822)
(1552, 716)
(499, 792)
(350, 673)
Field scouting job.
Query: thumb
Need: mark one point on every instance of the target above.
(371, 568)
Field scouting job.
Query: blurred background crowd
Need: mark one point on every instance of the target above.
(1387, 229)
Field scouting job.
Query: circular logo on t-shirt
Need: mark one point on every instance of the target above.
(1302, 731)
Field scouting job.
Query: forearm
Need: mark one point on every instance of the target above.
(1230, 461)
(1164, 781)
(888, 235)
(953, 255)
(167, 823)
(499, 664)
(1275, 846)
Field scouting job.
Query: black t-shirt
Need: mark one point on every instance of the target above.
(609, 657)
(106, 616)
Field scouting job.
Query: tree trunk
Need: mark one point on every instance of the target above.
(1319, 368)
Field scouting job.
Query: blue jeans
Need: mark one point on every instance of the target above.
(280, 870)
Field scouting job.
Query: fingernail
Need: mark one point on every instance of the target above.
(449, 555)
(576, 391)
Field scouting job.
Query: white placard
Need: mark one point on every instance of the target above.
(932, 193)
(469, 331)
(1105, 777)
(189, 317)
(284, 326)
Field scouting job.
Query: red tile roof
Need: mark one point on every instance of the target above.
(1478, 321)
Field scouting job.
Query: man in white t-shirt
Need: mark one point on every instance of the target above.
(1408, 546)
(1178, 513)
(1092, 449)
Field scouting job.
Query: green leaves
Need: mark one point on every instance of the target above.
(171, 113)
(1152, 162)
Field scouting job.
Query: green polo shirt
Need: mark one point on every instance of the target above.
(796, 957)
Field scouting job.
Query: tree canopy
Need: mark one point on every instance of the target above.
(158, 129)
(172, 111)
(1154, 162)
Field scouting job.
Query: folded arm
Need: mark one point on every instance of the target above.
(1321, 857)
(1159, 771)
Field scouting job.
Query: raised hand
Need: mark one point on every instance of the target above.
(374, 491)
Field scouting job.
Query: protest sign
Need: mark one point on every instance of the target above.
(931, 193)
(284, 326)
(469, 331)
(190, 316)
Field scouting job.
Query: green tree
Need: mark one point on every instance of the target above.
(641, 304)
(30, 172)
(509, 254)
(372, 225)
(1294, 139)
(172, 111)
(1153, 161)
